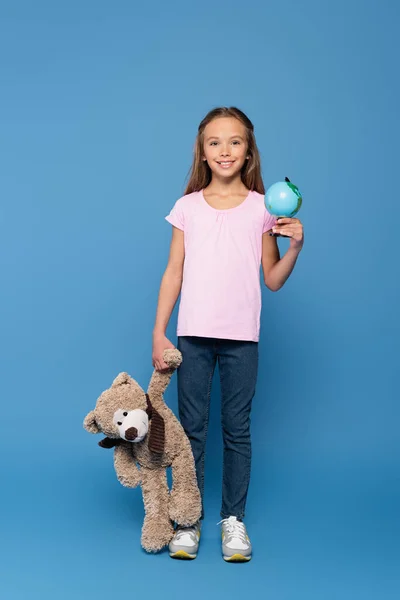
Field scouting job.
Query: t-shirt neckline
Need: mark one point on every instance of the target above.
(224, 210)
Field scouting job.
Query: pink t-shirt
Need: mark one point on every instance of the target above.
(221, 291)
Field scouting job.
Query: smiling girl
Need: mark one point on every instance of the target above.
(221, 234)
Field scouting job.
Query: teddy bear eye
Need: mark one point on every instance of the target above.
(119, 423)
(125, 414)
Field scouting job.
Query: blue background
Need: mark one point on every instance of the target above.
(99, 107)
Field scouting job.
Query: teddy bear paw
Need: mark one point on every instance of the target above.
(129, 481)
(156, 533)
(172, 357)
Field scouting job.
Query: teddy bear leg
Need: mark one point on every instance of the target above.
(157, 529)
(185, 501)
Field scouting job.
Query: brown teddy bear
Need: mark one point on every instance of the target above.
(147, 438)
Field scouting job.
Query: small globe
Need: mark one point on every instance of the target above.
(283, 199)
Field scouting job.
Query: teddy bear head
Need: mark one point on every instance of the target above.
(123, 412)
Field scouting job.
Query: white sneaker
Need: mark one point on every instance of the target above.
(185, 542)
(236, 546)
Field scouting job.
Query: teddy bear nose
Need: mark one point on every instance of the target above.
(131, 434)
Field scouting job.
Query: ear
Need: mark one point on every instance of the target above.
(157, 433)
(90, 423)
(121, 379)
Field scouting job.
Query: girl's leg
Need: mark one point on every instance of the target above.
(194, 390)
(238, 365)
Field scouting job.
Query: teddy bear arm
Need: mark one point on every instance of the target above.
(125, 466)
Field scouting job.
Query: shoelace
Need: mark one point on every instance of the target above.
(235, 528)
(185, 531)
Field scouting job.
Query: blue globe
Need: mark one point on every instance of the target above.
(283, 199)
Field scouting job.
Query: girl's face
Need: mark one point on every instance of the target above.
(225, 146)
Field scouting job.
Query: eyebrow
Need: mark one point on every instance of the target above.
(214, 137)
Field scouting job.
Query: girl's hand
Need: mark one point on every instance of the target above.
(160, 343)
(292, 228)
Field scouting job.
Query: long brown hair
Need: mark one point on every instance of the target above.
(200, 172)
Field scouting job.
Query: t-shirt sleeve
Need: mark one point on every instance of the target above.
(269, 221)
(176, 217)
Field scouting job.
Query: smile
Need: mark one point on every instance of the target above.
(225, 164)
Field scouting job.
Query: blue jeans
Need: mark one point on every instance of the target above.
(238, 365)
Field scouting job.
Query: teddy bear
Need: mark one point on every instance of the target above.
(147, 438)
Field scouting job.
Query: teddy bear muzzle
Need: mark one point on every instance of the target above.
(132, 425)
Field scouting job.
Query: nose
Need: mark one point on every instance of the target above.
(131, 434)
(225, 151)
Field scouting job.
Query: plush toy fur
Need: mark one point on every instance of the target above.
(147, 438)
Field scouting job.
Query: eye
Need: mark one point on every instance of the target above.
(119, 423)
(236, 142)
(125, 414)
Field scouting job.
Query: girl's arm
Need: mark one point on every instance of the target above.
(170, 288)
(277, 270)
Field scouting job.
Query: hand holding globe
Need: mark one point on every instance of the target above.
(283, 201)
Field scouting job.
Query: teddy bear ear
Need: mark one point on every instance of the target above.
(90, 423)
(121, 379)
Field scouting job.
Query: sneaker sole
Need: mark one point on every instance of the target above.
(237, 558)
(182, 555)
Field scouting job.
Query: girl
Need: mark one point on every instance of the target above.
(221, 235)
